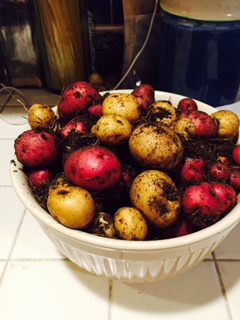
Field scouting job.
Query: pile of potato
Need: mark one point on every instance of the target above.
(113, 164)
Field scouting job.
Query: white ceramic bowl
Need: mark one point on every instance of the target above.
(131, 261)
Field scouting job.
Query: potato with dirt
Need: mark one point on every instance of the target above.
(72, 206)
(156, 146)
(76, 98)
(122, 104)
(155, 195)
(130, 224)
(41, 116)
(112, 129)
(228, 123)
(36, 148)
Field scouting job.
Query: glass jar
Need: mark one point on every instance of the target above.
(200, 58)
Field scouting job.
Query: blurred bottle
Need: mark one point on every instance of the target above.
(63, 39)
(200, 53)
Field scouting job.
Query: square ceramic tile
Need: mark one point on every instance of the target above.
(32, 242)
(193, 295)
(6, 147)
(230, 272)
(11, 213)
(53, 290)
(230, 247)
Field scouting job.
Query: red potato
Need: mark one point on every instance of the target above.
(144, 94)
(76, 97)
(201, 205)
(234, 179)
(187, 105)
(206, 126)
(76, 125)
(40, 177)
(93, 168)
(193, 170)
(181, 227)
(96, 110)
(227, 196)
(236, 155)
(36, 148)
(219, 172)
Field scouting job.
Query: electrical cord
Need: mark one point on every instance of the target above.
(142, 48)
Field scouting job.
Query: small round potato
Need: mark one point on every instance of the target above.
(156, 146)
(228, 123)
(130, 224)
(162, 111)
(41, 116)
(74, 207)
(155, 195)
(112, 129)
(122, 104)
(184, 127)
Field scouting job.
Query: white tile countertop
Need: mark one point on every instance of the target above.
(37, 282)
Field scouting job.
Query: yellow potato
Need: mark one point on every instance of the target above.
(156, 146)
(130, 224)
(41, 116)
(184, 127)
(155, 195)
(163, 112)
(228, 123)
(112, 129)
(122, 104)
(74, 207)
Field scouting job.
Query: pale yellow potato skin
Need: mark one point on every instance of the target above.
(122, 104)
(112, 129)
(167, 112)
(130, 224)
(184, 127)
(41, 116)
(228, 123)
(156, 147)
(155, 195)
(74, 207)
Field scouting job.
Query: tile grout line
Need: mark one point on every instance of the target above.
(110, 298)
(13, 245)
(222, 286)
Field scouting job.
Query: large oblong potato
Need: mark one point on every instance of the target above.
(122, 104)
(155, 195)
(156, 146)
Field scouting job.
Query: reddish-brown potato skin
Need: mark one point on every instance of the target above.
(93, 168)
(36, 148)
(76, 97)
(145, 95)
